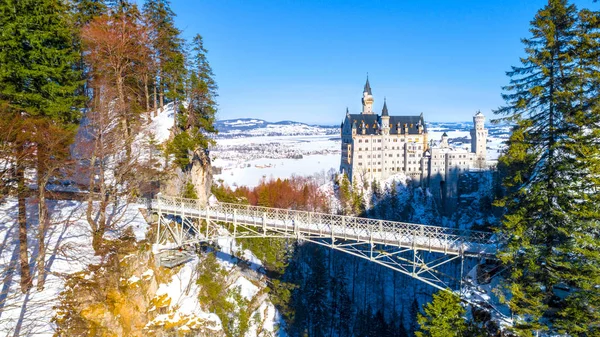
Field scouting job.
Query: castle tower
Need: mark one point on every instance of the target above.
(385, 119)
(367, 100)
(444, 142)
(479, 136)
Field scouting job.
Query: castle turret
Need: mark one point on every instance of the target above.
(479, 136)
(367, 99)
(385, 118)
(444, 142)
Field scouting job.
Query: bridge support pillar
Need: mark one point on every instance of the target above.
(462, 266)
(207, 221)
(158, 225)
(371, 245)
(234, 223)
(414, 264)
(264, 223)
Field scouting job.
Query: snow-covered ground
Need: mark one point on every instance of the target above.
(253, 154)
(69, 250)
(245, 161)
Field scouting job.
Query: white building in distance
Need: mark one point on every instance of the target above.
(375, 147)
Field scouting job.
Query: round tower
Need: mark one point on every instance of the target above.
(479, 136)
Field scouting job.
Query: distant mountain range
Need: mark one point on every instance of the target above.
(254, 127)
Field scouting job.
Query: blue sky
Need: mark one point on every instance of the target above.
(307, 60)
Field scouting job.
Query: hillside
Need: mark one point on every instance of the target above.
(252, 127)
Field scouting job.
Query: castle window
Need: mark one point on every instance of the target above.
(366, 140)
(359, 164)
(379, 170)
(379, 141)
(369, 170)
(360, 140)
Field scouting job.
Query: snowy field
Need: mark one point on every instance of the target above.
(247, 160)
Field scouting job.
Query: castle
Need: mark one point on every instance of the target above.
(375, 147)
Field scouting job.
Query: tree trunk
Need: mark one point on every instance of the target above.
(161, 95)
(26, 281)
(123, 113)
(155, 102)
(42, 227)
(147, 94)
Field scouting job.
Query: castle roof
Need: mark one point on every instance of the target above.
(367, 87)
(372, 122)
(445, 135)
(384, 112)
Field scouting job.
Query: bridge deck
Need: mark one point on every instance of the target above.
(338, 227)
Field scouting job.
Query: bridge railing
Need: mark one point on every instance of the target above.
(470, 240)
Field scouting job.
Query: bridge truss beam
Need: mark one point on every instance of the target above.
(180, 227)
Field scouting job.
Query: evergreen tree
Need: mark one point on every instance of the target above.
(345, 194)
(578, 256)
(87, 10)
(317, 294)
(551, 167)
(358, 200)
(168, 48)
(195, 122)
(443, 317)
(38, 82)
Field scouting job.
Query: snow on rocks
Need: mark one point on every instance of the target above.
(69, 250)
(184, 309)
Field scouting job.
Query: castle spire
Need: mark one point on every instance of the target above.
(367, 86)
(384, 112)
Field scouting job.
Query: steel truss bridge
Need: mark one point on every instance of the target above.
(418, 251)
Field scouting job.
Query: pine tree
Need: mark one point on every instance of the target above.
(579, 255)
(38, 82)
(195, 122)
(317, 294)
(551, 218)
(167, 48)
(87, 10)
(443, 317)
(345, 194)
